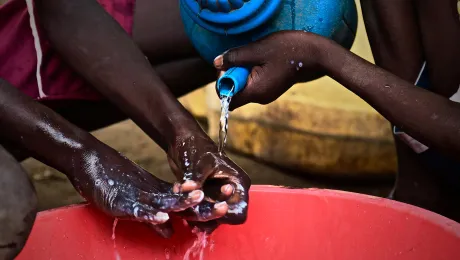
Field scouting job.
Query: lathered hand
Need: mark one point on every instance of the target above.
(196, 161)
(124, 190)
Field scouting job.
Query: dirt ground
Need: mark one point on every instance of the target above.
(54, 190)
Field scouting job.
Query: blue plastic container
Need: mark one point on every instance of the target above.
(215, 26)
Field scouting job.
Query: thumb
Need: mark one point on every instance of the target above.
(252, 92)
(245, 56)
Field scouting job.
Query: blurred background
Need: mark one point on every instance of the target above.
(316, 135)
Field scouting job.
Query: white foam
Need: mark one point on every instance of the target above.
(238, 208)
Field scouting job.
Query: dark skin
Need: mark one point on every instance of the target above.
(104, 177)
(429, 31)
(402, 36)
(18, 206)
(122, 74)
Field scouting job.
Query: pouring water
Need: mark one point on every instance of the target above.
(225, 104)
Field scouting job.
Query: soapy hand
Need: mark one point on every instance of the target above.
(196, 161)
(278, 61)
(124, 190)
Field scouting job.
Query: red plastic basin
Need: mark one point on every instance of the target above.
(282, 224)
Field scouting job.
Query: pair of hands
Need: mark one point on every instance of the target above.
(211, 188)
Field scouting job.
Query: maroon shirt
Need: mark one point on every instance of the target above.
(18, 58)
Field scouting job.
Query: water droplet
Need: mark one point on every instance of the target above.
(300, 64)
(292, 62)
(167, 254)
(212, 244)
(111, 182)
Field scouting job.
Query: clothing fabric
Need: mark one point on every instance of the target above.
(28, 61)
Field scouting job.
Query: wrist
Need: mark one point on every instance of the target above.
(330, 57)
(182, 126)
(314, 51)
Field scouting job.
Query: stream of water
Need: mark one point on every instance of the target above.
(197, 249)
(225, 104)
(116, 253)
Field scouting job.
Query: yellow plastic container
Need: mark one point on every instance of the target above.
(318, 127)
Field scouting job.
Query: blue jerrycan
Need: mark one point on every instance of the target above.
(215, 26)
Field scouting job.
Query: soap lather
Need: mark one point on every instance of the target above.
(215, 26)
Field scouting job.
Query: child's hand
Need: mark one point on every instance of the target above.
(124, 190)
(278, 62)
(195, 161)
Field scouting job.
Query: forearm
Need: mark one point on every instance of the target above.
(431, 118)
(40, 131)
(99, 50)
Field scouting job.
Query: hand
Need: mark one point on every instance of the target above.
(124, 190)
(278, 61)
(195, 160)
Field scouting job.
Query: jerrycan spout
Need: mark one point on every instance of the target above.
(232, 81)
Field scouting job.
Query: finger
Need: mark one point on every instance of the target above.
(227, 191)
(248, 55)
(265, 84)
(189, 185)
(147, 214)
(205, 212)
(217, 189)
(165, 230)
(237, 206)
(253, 89)
(176, 202)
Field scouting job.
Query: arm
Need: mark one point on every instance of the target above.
(103, 176)
(99, 50)
(431, 118)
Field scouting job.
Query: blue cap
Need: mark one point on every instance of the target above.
(232, 82)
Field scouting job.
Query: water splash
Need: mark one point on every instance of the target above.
(200, 243)
(167, 254)
(212, 244)
(116, 253)
(225, 104)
